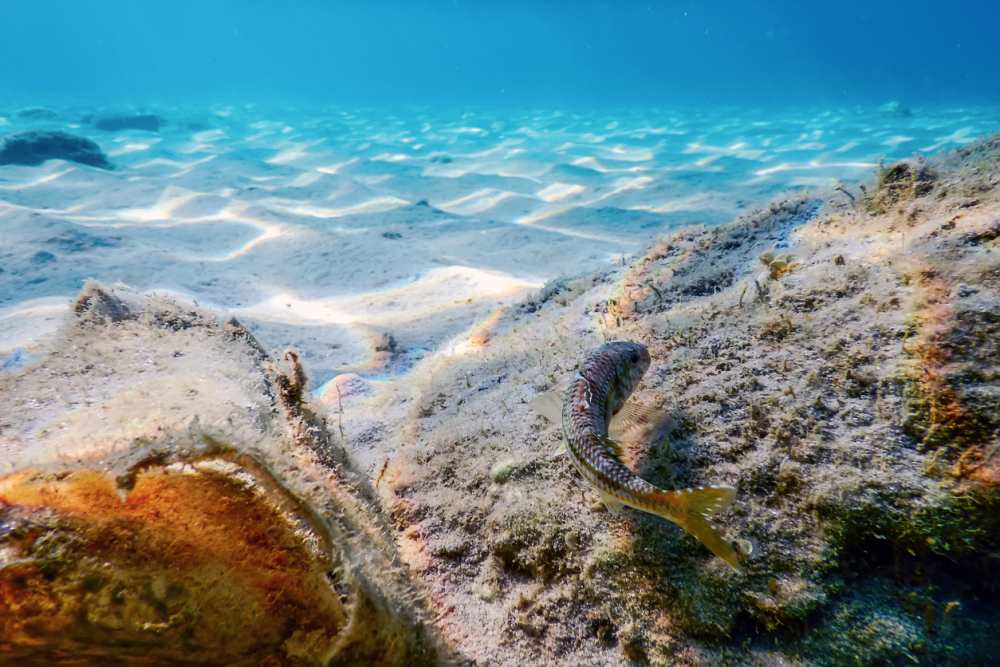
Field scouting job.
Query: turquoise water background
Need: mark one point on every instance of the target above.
(501, 53)
(329, 171)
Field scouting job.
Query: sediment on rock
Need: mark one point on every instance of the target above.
(834, 360)
(173, 503)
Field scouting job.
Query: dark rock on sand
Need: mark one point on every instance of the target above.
(76, 241)
(37, 113)
(896, 108)
(115, 122)
(33, 148)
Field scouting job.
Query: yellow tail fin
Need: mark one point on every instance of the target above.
(690, 509)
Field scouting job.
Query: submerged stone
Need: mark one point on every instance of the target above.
(34, 148)
(37, 113)
(188, 508)
(114, 122)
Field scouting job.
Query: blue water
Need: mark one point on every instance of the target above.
(328, 172)
(506, 53)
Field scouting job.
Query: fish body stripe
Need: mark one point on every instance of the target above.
(597, 390)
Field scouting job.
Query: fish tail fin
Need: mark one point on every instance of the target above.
(691, 508)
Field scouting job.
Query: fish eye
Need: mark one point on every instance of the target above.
(635, 357)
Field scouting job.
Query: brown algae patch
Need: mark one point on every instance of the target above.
(193, 564)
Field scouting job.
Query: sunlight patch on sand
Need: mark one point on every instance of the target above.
(630, 154)
(559, 191)
(136, 147)
(592, 163)
(183, 168)
(694, 202)
(41, 180)
(589, 236)
(390, 157)
(962, 135)
(288, 156)
(812, 164)
(171, 200)
(268, 232)
(304, 179)
(739, 149)
(435, 292)
(26, 322)
(376, 205)
(896, 140)
(334, 168)
(476, 202)
(476, 337)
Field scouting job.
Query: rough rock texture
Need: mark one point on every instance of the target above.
(835, 361)
(838, 365)
(168, 497)
(33, 148)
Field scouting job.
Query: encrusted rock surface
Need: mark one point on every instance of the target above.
(167, 496)
(837, 364)
(834, 358)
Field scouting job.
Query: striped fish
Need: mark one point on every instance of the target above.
(596, 396)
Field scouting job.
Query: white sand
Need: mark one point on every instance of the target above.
(324, 229)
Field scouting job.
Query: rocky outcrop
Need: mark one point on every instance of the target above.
(836, 364)
(117, 122)
(33, 148)
(834, 360)
(176, 500)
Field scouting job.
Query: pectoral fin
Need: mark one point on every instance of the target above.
(633, 418)
(613, 505)
(615, 448)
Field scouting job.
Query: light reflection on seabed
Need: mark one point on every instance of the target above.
(326, 230)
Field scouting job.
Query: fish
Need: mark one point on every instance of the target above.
(594, 403)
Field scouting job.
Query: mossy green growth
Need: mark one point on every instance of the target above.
(702, 594)
(533, 543)
(957, 524)
(949, 521)
(879, 623)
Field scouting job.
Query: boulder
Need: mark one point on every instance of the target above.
(33, 148)
(178, 501)
(115, 122)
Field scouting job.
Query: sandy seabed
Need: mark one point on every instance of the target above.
(369, 239)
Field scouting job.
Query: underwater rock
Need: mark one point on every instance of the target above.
(179, 501)
(201, 561)
(37, 113)
(899, 183)
(115, 122)
(33, 148)
(896, 108)
(836, 364)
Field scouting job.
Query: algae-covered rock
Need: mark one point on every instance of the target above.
(836, 364)
(176, 501)
(834, 361)
(113, 122)
(34, 148)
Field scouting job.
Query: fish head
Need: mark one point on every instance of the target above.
(632, 362)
